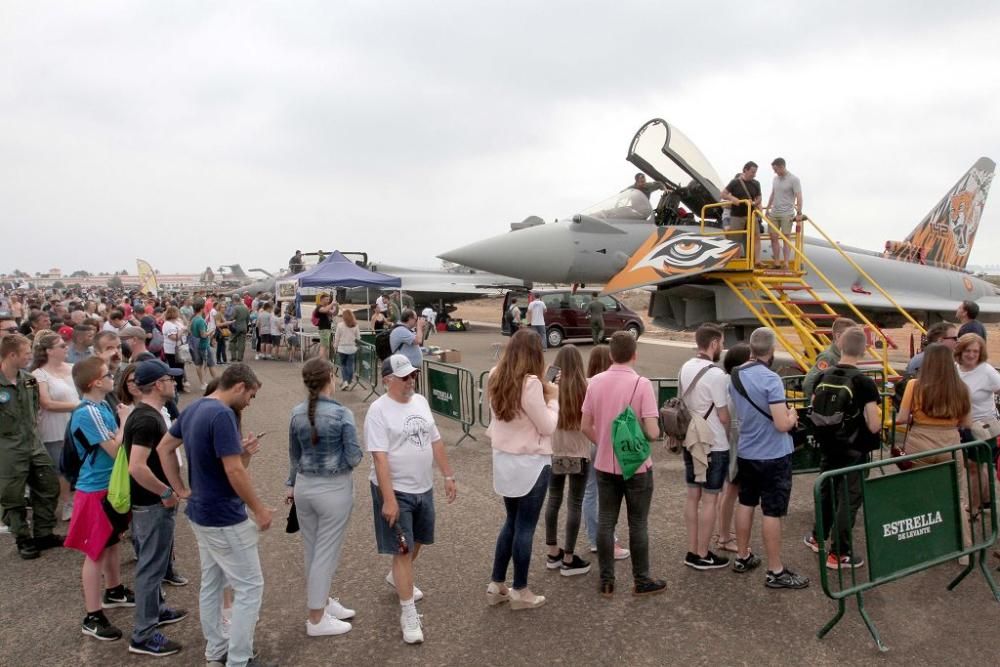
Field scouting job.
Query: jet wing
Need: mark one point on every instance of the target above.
(910, 301)
(673, 255)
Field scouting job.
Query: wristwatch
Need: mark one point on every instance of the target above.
(166, 494)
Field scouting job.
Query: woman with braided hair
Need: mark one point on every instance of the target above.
(322, 451)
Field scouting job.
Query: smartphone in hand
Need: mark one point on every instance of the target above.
(552, 374)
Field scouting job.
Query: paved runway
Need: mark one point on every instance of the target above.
(715, 617)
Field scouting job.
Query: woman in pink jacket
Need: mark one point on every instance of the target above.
(525, 415)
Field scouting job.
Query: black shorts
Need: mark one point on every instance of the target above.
(767, 483)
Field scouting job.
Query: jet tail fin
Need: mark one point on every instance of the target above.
(946, 234)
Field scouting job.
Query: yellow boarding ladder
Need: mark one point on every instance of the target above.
(780, 298)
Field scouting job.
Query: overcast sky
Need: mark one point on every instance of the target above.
(206, 133)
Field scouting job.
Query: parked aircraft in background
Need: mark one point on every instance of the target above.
(624, 242)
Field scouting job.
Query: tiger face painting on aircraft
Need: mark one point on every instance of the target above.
(674, 253)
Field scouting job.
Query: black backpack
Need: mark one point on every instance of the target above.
(383, 347)
(69, 459)
(834, 417)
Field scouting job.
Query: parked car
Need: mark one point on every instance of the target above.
(566, 315)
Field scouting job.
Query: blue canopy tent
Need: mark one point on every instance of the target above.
(339, 271)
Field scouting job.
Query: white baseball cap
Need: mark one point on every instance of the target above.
(397, 365)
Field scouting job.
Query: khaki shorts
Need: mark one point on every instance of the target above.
(783, 221)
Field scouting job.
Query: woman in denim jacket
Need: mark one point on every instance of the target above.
(322, 451)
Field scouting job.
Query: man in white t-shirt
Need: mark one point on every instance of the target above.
(536, 317)
(706, 394)
(405, 444)
(429, 316)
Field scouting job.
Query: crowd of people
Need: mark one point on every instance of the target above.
(86, 383)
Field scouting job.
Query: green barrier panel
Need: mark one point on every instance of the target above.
(484, 410)
(451, 392)
(367, 368)
(368, 336)
(913, 520)
(665, 388)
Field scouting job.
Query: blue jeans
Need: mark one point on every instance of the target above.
(153, 537)
(347, 366)
(540, 330)
(229, 557)
(590, 500)
(518, 532)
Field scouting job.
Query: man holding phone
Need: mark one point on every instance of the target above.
(405, 444)
(221, 492)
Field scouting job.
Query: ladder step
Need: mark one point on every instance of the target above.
(788, 288)
(819, 316)
(797, 302)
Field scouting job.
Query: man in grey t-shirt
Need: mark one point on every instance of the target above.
(784, 206)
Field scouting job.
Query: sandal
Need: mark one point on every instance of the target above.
(726, 545)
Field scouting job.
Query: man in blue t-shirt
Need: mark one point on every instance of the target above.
(407, 338)
(221, 491)
(764, 458)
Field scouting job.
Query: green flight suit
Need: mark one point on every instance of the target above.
(24, 461)
(827, 358)
(239, 328)
(595, 311)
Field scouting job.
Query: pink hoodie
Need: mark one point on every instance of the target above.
(530, 432)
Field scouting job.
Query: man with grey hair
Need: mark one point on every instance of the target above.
(764, 458)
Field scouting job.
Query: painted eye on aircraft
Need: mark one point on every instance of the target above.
(686, 252)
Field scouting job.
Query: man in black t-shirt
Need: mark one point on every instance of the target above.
(967, 313)
(154, 508)
(743, 187)
(865, 423)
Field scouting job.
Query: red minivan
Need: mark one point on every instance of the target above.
(566, 314)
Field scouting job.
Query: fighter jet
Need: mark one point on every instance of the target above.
(624, 242)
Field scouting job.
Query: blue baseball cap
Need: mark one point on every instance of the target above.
(151, 370)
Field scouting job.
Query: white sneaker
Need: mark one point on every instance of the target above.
(328, 625)
(67, 512)
(409, 621)
(337, 610)
(418, 594)
(621, 554)
(4, 529)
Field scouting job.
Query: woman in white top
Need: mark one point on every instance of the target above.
(173, 336)
(346, 344)
(58, 398)
(525, 415)
(983, 382)
(277, 328)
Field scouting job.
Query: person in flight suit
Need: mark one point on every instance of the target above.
(23, 459)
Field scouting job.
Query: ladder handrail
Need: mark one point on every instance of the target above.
(822, 276)
(864, 274)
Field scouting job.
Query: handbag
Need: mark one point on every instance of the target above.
(120, 487)
(628, 439)
(567, 465)
(901, 450)
(292, 526)
(183, 353)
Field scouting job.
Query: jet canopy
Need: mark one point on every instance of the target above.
(664, 154)
(629, 204)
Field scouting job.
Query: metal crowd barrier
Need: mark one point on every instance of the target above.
(485, 412)
(913, 520)
(451, 392)
(367, 368)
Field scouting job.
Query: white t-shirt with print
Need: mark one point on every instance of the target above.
(405, 431)
(170, 328)
(712, 389)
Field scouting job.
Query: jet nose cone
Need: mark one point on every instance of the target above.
(534, 254)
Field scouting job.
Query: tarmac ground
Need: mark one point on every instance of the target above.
(714, 617)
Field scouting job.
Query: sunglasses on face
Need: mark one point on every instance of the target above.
(11, 330)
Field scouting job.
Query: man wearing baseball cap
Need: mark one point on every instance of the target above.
(405, 444)
(134, 338)
(154, 506)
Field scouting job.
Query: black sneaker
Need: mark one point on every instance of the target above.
(607, 589)
(49, 542)
(27, 550)
(709, 562)
(577, 566)
(157, 646)
(119, 596)
(751, 562)
(555, 562)
(649, 587)
(99, 627)
(169, 616)
(175, 579)
(785, 579)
